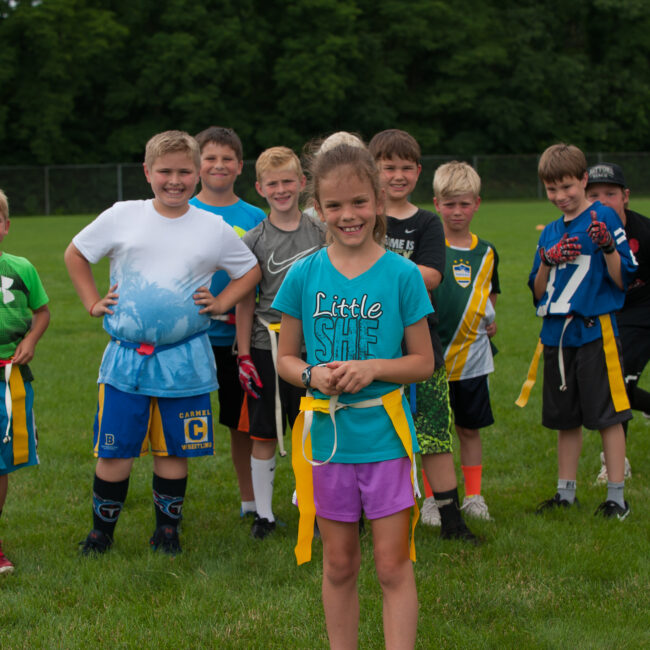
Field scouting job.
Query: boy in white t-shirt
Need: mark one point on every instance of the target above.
(158, 370)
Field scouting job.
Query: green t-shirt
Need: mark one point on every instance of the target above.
(21, 293)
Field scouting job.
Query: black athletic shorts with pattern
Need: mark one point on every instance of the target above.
(433, 418)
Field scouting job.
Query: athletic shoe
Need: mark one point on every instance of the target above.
(611, 509)
(262, 527)
(556, 502)
(602, 479)
(430, 515)
(6, 567)
(476, 507)
(97, 542)
(248, 513)
(165, 539)
(459, 530)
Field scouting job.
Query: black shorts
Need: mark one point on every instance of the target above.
(587, 400)
(231, 395)
(635, 342)
(261, 412)
(470, 402)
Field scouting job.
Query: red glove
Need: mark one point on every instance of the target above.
(248, 377)
(600, 235)
(566, 250)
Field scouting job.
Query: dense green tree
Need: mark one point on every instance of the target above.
(92, 80)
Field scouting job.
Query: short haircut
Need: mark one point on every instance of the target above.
(340, 137)
(277, 158)
(4, 206)
(561, 160)
(455, 178)
(395, 143)
(222, 136)
(172, 142)
(362, 165)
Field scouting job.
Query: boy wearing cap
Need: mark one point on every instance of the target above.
(607, 184)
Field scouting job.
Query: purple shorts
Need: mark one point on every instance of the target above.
(342, 490)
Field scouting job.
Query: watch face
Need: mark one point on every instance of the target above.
(306, 376)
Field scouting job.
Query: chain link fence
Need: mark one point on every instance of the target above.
(89, 189)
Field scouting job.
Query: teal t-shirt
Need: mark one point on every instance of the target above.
(22, 293)
(360, 318)
(242, 217)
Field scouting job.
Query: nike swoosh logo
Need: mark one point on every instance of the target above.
(274, 267)
(408, 232)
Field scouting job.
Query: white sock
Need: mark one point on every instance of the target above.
(263, 473)
(247, 506)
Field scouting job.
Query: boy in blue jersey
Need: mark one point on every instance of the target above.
(222, 160)
(158, 370)
(24, 317)
(582, 265)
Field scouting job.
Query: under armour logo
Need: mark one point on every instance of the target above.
(7, 296)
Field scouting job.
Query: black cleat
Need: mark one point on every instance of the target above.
(165, 539)
(262, 527)
(97, 542)
(554, 503)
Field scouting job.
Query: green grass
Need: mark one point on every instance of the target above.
(567, 580)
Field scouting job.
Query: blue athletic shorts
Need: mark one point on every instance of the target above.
(20, 450)
(129, 425)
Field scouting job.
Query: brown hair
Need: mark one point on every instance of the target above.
(172, 142)
(397, 143)
(561, 160)
(222, 136)
(362, 165)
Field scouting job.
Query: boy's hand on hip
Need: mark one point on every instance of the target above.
(248, 377)
(103, 306)
(566, 250)
(600, 235)
(209, 303)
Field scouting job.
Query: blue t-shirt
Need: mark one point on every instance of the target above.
(242, 217)
(582, 288)
(359, 318)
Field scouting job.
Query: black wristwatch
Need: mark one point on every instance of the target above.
(306, 376)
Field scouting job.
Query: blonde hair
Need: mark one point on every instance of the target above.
(455, 178)
(172, 142)
(4, 206)
(560, 160)
(340, 137)
(277, 158)
(361, 164)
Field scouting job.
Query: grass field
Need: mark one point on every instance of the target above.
(567, 580)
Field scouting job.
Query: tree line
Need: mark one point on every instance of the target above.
(85, 81)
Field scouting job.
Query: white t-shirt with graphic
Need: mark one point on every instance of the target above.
(158, 263)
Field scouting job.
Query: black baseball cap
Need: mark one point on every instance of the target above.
(606, 173)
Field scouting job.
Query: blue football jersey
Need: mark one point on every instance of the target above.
(583, 287)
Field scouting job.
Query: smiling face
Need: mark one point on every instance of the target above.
(398, 177)
(219, 167)
(173, 178)
(457, 211)
(348, 206)
(281, 188)
(568, 195)
(613, 196)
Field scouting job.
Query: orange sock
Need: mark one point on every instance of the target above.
(472, 475)
(428, 492)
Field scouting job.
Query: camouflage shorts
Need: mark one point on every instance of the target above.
(433, 418)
